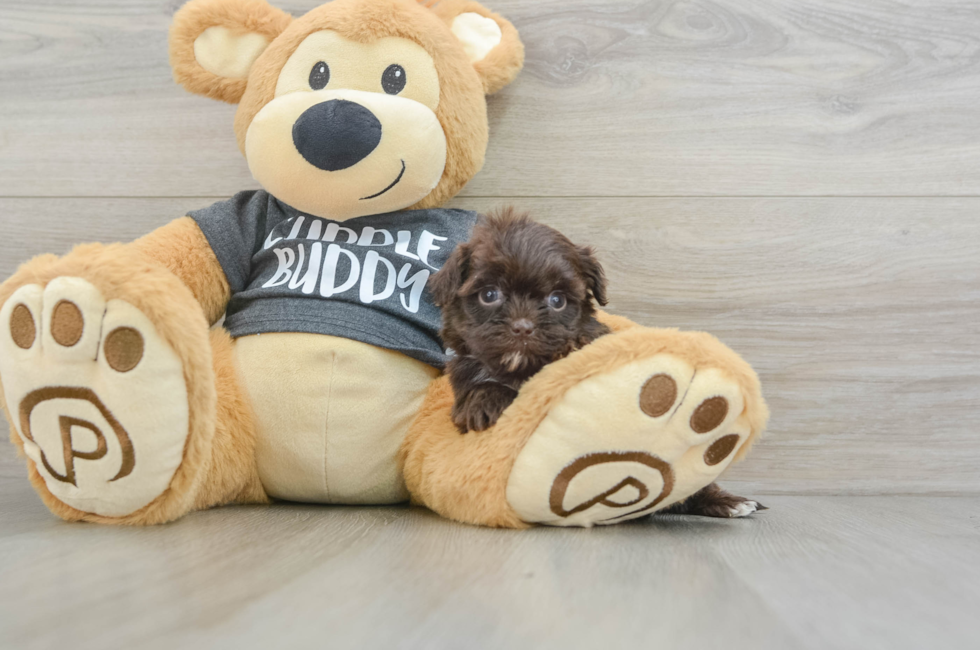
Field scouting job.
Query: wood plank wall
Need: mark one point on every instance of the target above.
(799, 177)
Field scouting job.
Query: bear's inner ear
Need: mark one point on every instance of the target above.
(213, 44)
(478, 34)
(489, 40)
(226, 54)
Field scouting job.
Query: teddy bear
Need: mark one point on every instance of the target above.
(135, 403)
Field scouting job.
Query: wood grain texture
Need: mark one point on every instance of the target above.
(811, 573)
(638, 98)
(859, 314)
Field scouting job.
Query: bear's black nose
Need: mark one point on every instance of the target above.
(336, 134)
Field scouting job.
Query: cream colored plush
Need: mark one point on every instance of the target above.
(412, 150)
(130, 410)
(308, 408)
(479, 35)
(224, 53)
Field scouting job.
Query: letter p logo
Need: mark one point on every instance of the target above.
(68, 424)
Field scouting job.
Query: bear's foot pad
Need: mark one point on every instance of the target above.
(97, 397)
(622, 444)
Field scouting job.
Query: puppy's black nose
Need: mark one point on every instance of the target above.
(522, 327)
(336, 134)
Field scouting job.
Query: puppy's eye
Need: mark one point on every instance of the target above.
(489, 297)
(319, 75)
(556, 300)
(393, 79)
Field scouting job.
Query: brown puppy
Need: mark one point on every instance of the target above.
(517, 296)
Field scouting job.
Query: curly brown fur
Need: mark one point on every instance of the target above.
(517, 296)
(713, 501)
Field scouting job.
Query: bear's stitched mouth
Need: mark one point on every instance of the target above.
(393, 183)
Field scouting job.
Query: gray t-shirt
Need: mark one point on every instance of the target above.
(362, 279)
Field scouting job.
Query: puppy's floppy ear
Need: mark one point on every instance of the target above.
(213, 44)
(490, 41)
(447, 281)
(595, 277)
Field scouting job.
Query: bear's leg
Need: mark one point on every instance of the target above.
(637, 421)
(110, 389)
(232, 475)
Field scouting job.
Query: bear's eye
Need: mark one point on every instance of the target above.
(393, 79)
(319, 75)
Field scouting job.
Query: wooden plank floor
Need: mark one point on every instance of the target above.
(799, 177)
(812, 572)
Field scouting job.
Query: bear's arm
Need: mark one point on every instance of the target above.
(184, 250)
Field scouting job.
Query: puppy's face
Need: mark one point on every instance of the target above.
(518, 295)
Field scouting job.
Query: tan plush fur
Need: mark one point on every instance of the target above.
(233, 476)
(460, 477)
(465, 477)
(181, 247)
(614, 322)
(190, 22)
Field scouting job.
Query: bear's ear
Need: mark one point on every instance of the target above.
(213, 44)
(490, 41)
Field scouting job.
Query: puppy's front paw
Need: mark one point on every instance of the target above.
(477, 415)
(481, 408)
